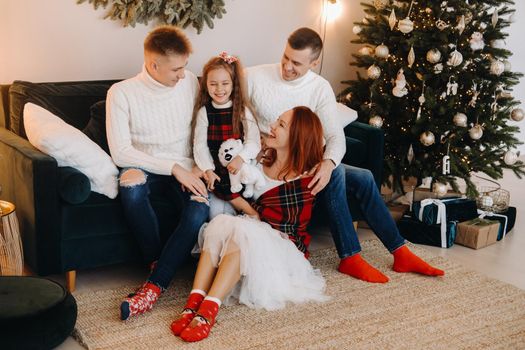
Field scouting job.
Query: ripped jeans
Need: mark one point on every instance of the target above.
(144, 225)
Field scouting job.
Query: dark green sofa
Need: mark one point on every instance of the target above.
(62, 237)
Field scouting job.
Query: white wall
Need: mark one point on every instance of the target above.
(58, 40)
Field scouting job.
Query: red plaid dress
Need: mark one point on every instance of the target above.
(288, 208)
(220, 129)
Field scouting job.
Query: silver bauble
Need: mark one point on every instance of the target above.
(476, 132)
(486, 201)
(374, 72)
(455, 59)
(433, 56)
(357, 29)
(460, 119)
(405, 25)
(376, 121)
(381, 51)
(365, 51)
(510, 158)
(517, 114)
(381, 4)
(427, 138)
(439, 188)
(497, 67)
(438, 68)
(411, 57)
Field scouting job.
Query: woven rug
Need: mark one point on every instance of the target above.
(462, 310)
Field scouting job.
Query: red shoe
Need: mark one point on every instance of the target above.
(142, 301)
(187, 315)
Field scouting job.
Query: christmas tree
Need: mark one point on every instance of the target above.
(438, 82)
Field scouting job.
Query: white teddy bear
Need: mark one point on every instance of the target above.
(249, 174)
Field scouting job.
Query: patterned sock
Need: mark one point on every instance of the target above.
(406, 261)
(191, 307)
(142, 301)
(151, 267)
(204, 319)
(357, 267)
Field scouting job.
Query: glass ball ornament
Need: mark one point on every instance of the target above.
(357, 29)
(365, 51)
(497, 67)
(405, 26)
(510, 158)
(486, 201)
(433, 56)
(427, 138)
(373, 72)
(439, 188)
(460, 119)
(476, 132)
(376, 121)
(455, 59)
(517, 114)
(382, 51)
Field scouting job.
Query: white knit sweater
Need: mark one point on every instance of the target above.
(148, 124)
(201, 152)
(271, 95)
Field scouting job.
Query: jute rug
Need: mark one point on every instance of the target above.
(463, 310)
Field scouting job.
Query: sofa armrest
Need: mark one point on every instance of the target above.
(29, 180)
(374, 140)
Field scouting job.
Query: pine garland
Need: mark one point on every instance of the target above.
(181, 13)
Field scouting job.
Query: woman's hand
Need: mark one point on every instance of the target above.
(211, 177)
(235, 165)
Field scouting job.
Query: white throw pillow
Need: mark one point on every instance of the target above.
(345, 114)
(70, 147)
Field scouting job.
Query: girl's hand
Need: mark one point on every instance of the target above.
(211, 177)
(235, 165)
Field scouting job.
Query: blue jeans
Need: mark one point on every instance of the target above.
(143, 221)
(357, 183)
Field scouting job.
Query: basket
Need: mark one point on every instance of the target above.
(493, 199)
(11, 253)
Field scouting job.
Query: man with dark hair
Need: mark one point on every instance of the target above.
(148, 130)
(275, 88)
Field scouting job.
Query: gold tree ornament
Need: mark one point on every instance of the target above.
(427, 138)
(181, 13)
(517, 114)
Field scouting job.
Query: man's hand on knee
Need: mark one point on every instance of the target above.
(323, 172)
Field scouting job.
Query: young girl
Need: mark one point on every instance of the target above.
(221, 113)
(269, 254)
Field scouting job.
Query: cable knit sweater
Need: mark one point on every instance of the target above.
(148, 124)
(271, 95)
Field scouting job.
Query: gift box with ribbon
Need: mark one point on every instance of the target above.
(433, 211)
(507, 220)
(477, 233)
(438, 235)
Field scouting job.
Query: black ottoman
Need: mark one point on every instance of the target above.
(35, 313)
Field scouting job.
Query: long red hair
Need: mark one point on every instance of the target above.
(305, 145)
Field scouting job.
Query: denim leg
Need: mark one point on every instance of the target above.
(140, 216)
(333, 199)
(179, 245)
(361, 185)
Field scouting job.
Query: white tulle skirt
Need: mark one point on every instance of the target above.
(273, 270)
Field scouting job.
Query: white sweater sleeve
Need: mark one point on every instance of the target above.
(333, 132)
(119, 138)
(252, 137)
(201, 152)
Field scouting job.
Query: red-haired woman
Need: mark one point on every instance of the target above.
(262, 263)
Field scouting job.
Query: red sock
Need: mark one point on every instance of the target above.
(205, 319)
(140, 302)
(406, 261)
(357, 267)
(191, 307)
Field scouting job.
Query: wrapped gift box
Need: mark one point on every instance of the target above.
(477, 233)
(455, 209)
(424, 193)
(507, 220)
(435, 235)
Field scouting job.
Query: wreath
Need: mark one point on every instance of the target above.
(181, 13)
